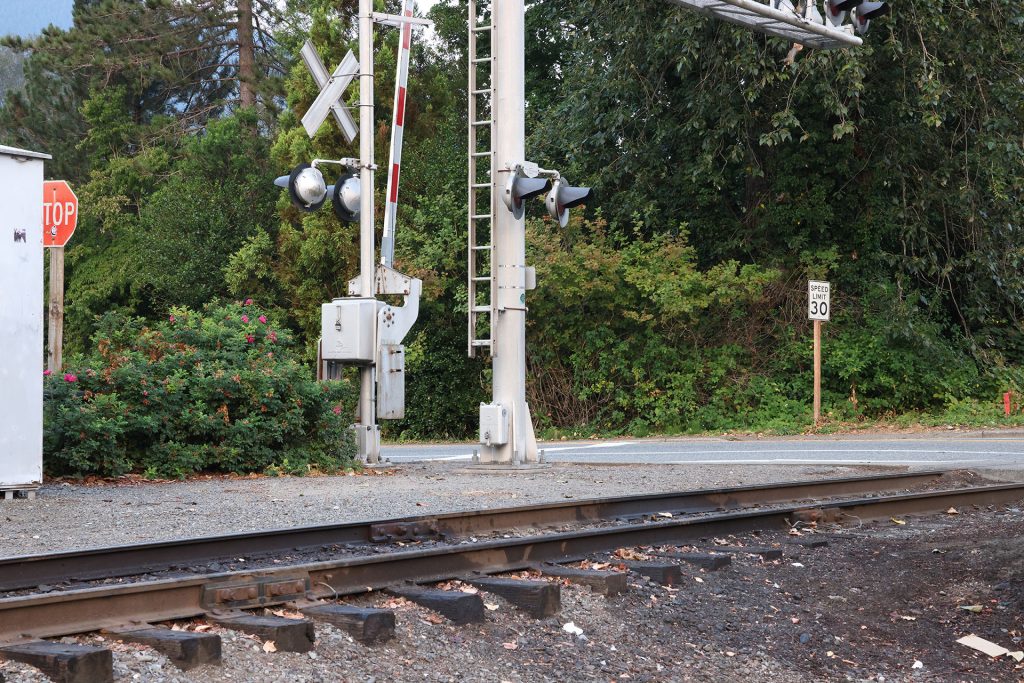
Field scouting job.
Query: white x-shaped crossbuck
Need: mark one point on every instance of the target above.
(331, 89)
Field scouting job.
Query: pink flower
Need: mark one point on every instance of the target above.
(263, 319)
(272, 336)
(70, 378)
(337, 410)
(248, 302)
(47, 373)
(171, 318)
(250, 339)
(245, 318)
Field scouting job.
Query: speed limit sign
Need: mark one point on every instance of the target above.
(819, 306)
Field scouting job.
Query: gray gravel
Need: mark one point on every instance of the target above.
(508, 647)
(66, 516)
(651, 633)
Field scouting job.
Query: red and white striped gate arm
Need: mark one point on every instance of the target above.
(387, 247)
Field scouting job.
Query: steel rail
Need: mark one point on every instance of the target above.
(78, 611)
(29, 571)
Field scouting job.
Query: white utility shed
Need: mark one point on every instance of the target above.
(21, 319)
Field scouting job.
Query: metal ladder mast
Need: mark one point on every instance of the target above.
(480, 252)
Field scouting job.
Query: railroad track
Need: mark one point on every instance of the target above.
(29, 571)
(129, 608)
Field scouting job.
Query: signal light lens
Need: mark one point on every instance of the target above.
(865, 12)
(843, 5)
(307, 188)
(835, 12)
(563, 197)
(869, 10)
(519, 188)
(345, 196)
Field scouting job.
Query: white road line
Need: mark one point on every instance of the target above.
(414, 458)
(807, 461)
(580, 448)
(814, 450)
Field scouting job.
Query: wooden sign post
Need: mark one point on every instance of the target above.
(60, 217)
(819, 310)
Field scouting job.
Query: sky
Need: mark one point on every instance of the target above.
(29, 17)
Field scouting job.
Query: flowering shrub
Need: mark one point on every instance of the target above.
(215, 390)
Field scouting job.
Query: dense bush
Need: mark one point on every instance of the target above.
(637, 337)
(218, 390)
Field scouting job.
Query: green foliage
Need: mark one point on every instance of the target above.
(217, 390)
(894, 358)
(217, 195)
(725, 176)
(157, 229)
(631, 337)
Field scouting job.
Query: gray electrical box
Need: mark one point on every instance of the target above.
(21, 318)
(391, 382)
(493, 424)
(348, 330)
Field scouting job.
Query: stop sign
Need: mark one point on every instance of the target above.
(60, 213)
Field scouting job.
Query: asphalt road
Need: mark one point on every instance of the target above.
(933, 449)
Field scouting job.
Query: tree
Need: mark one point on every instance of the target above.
(907, 164)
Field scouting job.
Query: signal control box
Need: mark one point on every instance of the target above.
(348, 329)
(493, 424)
(21, 319)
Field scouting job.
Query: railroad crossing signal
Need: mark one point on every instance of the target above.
(60, 213)
(523, 184)
(838, 10)
(564, 197)
(331, 89)
(308, 190)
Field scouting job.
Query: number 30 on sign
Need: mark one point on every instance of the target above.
(818, 300)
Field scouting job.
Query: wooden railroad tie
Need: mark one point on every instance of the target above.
(600, 581)
(64, 663)
(764, 553)
(456, 606)
(366, 625)
(706, 561)
(185, 649)
(665, 573)
(539, 599)
(291, 635)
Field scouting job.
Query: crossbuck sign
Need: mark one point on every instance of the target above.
(818, 300)
(331, 89)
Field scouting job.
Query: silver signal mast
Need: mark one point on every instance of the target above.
(360, 329)
(498, 277)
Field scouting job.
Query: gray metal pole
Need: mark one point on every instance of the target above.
(368, 440)
(509, 234)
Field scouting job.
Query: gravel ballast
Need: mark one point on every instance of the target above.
(883, 601)
(834, 613)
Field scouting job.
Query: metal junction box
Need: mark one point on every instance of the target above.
(391, 382)
(348, 330)
(493, 424)
(21, 318)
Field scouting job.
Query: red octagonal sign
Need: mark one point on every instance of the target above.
(60, 213)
